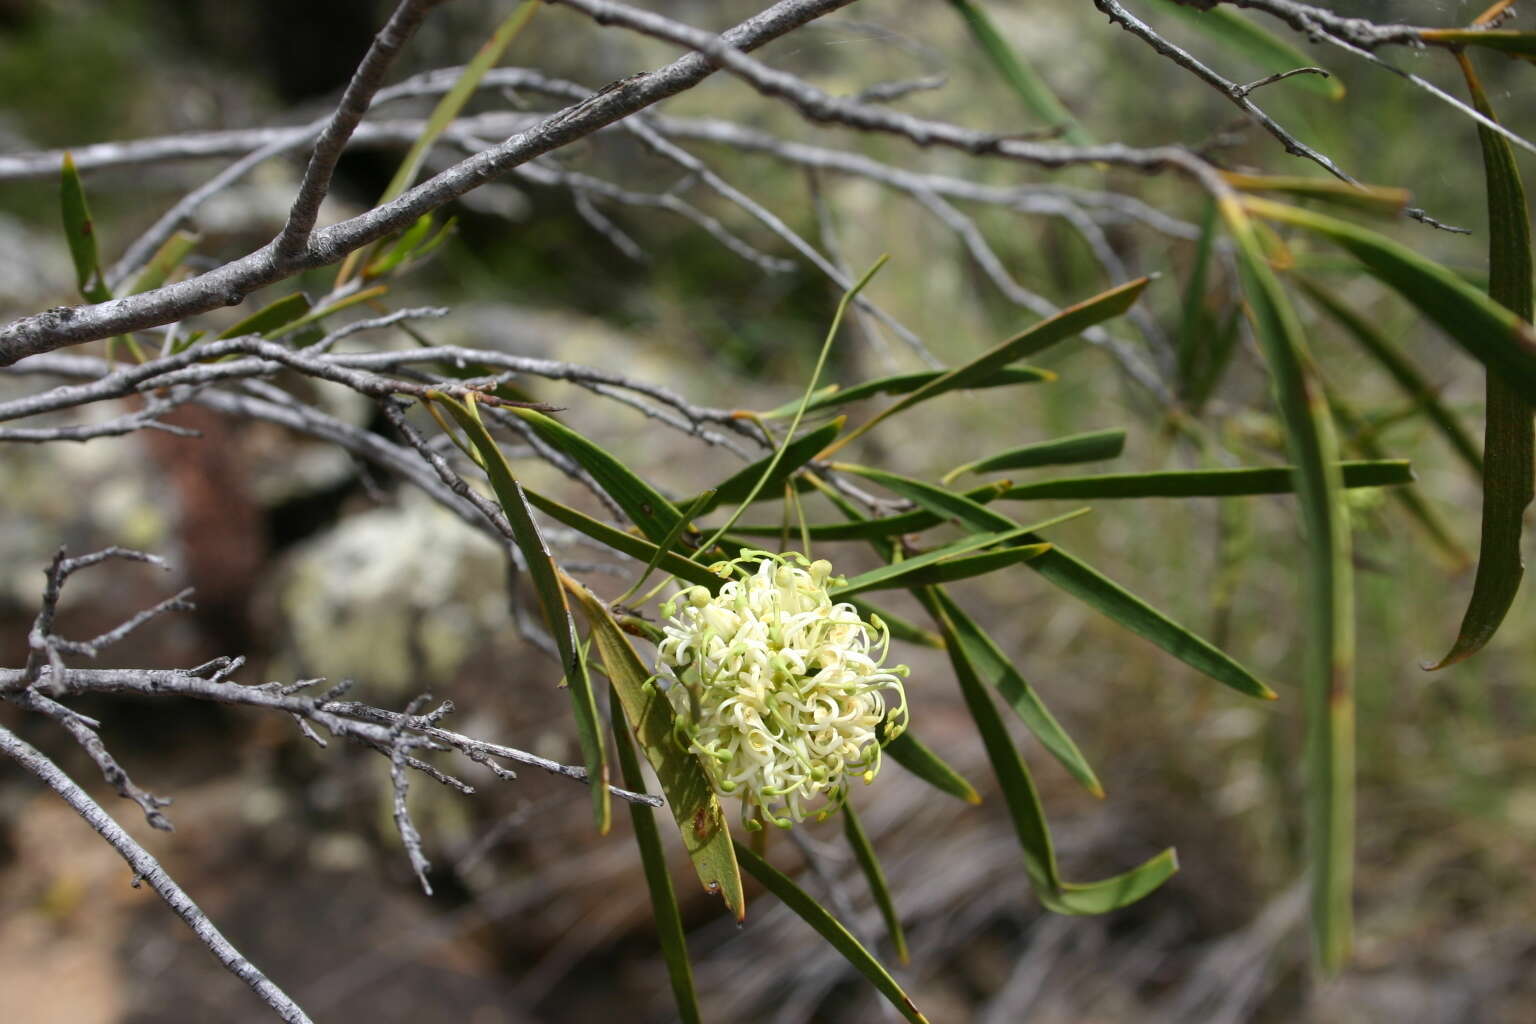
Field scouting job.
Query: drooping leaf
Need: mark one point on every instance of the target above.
(653, 861)
(1093, 589)
(864, 853)
(951, 569)
(900, 628)
(907, 751)
(831, 929)
(992, 667)
(700, 819)
(832, 396)
(627, 543)
(1034, 339)
(1329, 594)
(1090, 447)
(1408, 376)
(1509, 447)
(1024, 808)
(551, 594)
(894, 575)
(1023, 79)
(1491, 333)
(644, 505)
(734, 489)
(1269, 51)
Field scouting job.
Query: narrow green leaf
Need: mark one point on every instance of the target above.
(832, 396)
(1510, 41)
(644, 505)
(1097, 591)
(992, 667)
(1270, 52)
(1033, 339)
(653, 861)
(1509, 446)
(907, 751)
(626, 543)
(1060, 451)
(80, 233)
(1402, 370)
(669, 542)
(443, 115)
(1375, 199)
(321, 312)
(1194, 317)
(900, 628)
(831, 929)
(1207, 483)
(797, 453)
(706, 836)
(1329, 678)
(1023, 79)
(1224, 483)
(810, 389)
(953, 568)
(270, 317)
(1492, 334)
(551, 593)
(894, 575)
(1023, 802)
(396, 254)
(164, 262)
(864, 853)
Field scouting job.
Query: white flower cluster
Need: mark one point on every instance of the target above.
(779, 689)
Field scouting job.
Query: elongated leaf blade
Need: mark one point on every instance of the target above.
(1269, 51)
(900, 628)
(864, 853)
(1093, 589)
(955, 568)
(1036, 338)
(797, 453)
(1329, 679)
(80, 233)
(1492, 334)
(270, 317)
(551, 594)
(625, 543)
(890, 576)
(832, 396)
(909, 752)
(1208, 483)
(1375, 199)
(993, 668)
(1509, 448)
(1061, 451)
(644, 505)
(1510, 41)
(831, 929)
(653, 861)
(171, 254)
(706, 836)
(1022, 78)
(1023, 802)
